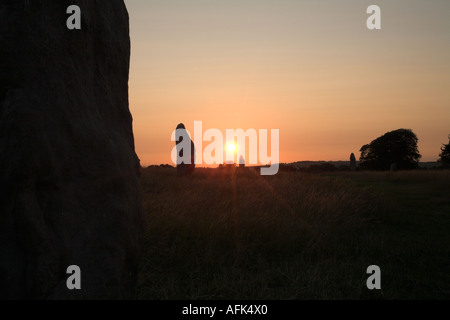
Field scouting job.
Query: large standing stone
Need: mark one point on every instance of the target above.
(69, 174)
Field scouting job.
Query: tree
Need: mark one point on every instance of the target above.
(398, 148)
(445, 154)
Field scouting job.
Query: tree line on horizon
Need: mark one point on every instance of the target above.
(394, 150)
(397, 150)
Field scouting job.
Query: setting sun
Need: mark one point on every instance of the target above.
(231, 147)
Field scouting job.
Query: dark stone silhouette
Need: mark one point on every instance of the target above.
(399, 147)
(69, 172)
(352, 162)
(184, 167)
(241, 162)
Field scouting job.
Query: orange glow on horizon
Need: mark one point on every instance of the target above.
(318, 75)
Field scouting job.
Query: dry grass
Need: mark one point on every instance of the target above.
(237, 235)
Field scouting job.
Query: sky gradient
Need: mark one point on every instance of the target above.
(309, 68)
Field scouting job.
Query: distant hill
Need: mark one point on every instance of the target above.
(337, 164)
(306, 164)
(429, 165)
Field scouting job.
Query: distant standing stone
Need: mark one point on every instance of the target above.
(184, 166)
(241, 162)
(352, 162)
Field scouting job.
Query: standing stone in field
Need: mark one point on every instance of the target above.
(69, 172)
(241, 162)
(185, 151)
(352, 162)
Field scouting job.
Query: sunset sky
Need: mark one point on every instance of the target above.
(309, 68)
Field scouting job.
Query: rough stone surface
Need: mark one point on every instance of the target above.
(69, 174)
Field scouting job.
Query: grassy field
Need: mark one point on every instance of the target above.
(236, 235)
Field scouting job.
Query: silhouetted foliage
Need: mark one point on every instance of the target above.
(398, 147)
(165, 166)
(444, 156)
